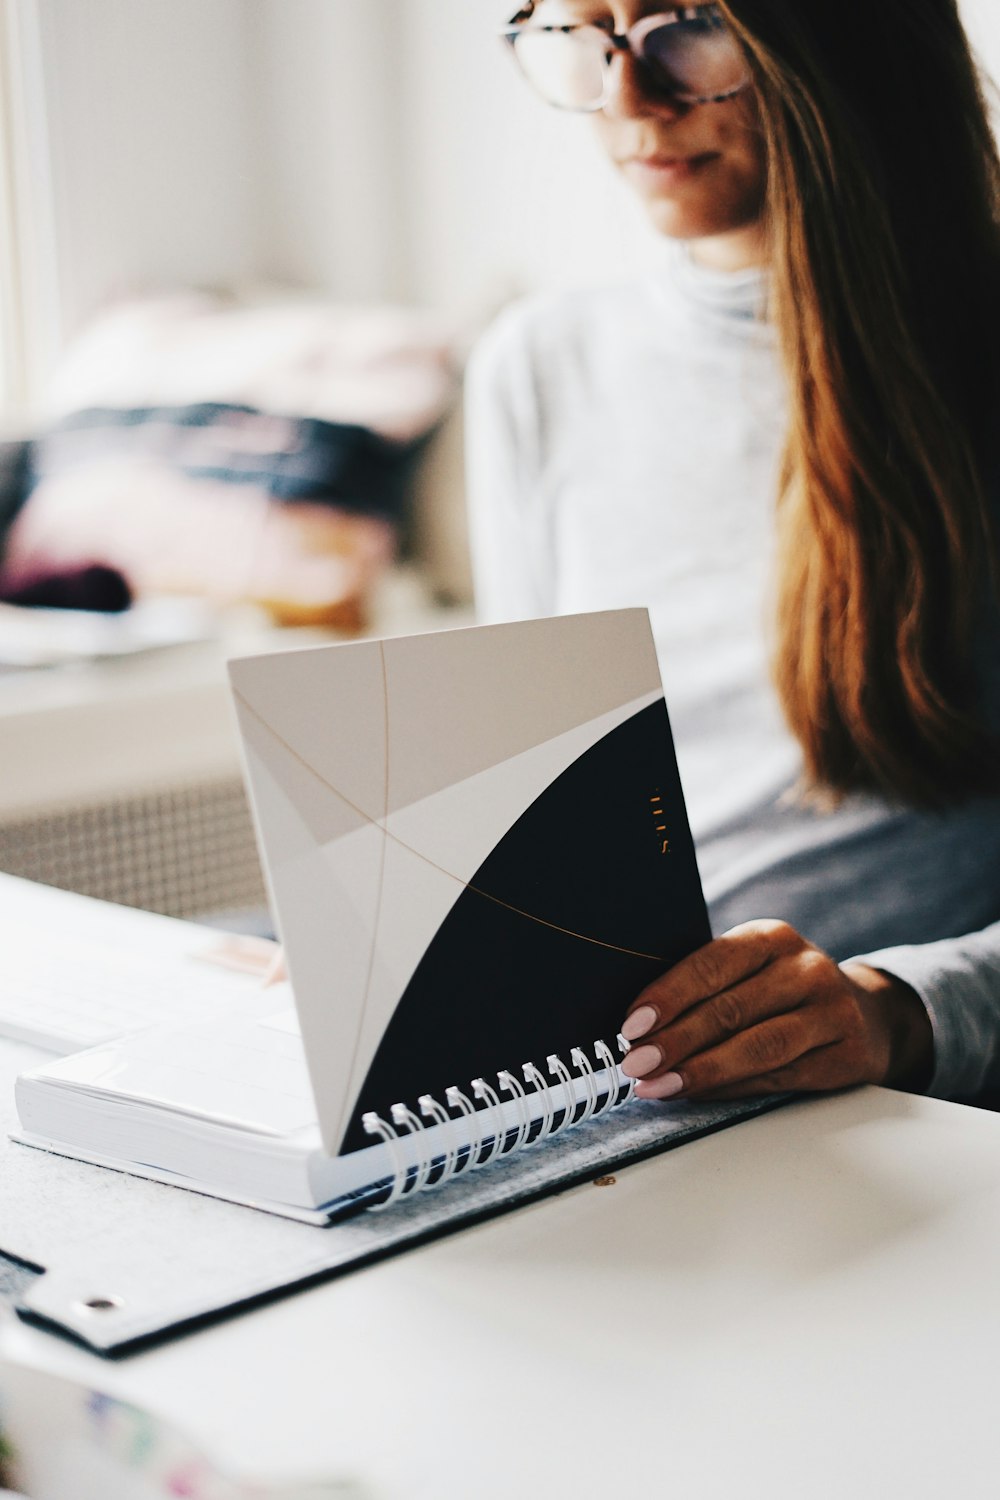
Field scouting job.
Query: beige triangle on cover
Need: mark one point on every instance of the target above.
(389, 723)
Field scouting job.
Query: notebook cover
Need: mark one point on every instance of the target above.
(476, 844)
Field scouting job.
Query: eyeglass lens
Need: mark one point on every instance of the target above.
(693, 59)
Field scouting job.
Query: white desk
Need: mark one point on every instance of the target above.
(805, 1306)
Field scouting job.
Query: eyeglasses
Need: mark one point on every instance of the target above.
(688, 54)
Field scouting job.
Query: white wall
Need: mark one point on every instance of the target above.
(982, 21)
(150, 129)
(330, 143)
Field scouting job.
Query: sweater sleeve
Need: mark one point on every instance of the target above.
(508, 531)
(958, 980)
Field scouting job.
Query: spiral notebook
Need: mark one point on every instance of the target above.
(478, 854)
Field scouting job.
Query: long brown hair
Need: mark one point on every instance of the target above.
(883, 212)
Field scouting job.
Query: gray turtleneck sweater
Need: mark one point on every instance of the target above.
(623, 450)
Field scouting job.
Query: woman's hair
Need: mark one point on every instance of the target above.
(883, 215)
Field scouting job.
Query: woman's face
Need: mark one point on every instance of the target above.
(699, 168)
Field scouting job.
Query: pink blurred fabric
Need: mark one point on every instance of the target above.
(391, 370)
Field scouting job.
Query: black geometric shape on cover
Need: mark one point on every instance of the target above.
(504, 980)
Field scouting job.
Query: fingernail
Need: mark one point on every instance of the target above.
(641, 1060)
(661, 1088)
(638, 1023)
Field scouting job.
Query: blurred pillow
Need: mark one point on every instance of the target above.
(240, 453)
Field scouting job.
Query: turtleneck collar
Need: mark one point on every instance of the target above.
(733, 301)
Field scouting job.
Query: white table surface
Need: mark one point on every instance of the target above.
(807, 1305)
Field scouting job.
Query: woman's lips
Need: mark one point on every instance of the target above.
(666, 171)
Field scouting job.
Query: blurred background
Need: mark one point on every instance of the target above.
(245, 248)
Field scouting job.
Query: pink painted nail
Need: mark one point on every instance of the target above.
(661, 1088)
(638, 1023)
(641, 1060)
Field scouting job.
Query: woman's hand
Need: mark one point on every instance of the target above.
(761, 1011)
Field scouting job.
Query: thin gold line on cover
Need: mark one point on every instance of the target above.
(449, 874)
(381, 867)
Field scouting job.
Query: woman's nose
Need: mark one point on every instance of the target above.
(630, 93)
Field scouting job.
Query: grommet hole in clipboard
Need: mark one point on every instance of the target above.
(100, 1304)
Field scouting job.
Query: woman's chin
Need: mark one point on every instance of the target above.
(679, 221)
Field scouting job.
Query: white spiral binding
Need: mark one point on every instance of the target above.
(480, 1136)
(532, 1076)
(482, 1090)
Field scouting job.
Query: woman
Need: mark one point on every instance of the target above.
(784, 444)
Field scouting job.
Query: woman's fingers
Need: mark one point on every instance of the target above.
(730, 1013)
(761, 1010)
(716, 967)
(790, 1051)
(815, 1072)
